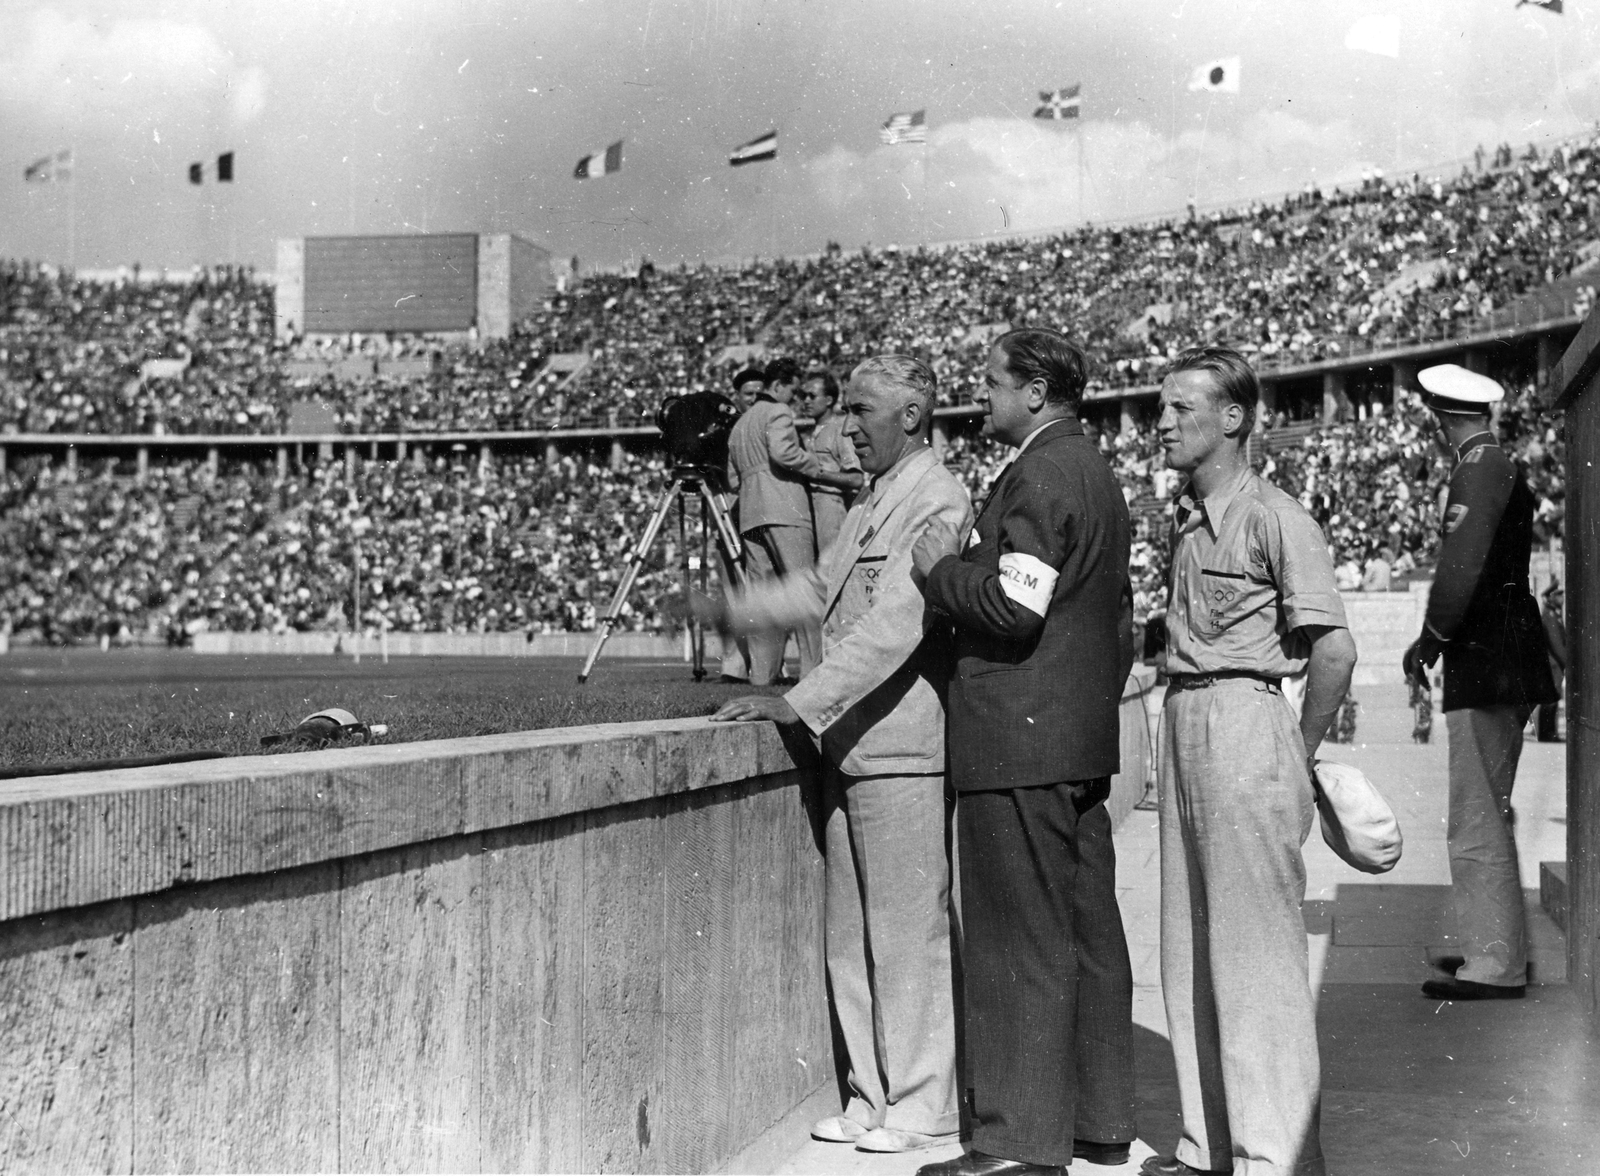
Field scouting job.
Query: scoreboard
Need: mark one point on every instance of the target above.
(413, 284)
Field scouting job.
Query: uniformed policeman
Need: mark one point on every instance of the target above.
(1482, 617)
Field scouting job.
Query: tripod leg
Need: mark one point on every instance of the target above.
(635, 562)
(696, 651)
(725, 531)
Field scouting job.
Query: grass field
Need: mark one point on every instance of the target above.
(81, 704)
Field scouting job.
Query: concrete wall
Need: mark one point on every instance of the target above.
(593, 950)
(596, 949)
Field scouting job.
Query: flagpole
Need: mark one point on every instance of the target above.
(72, 211)
(1200, 151)
(1082, 211)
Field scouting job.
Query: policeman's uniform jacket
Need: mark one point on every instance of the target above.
(876, 699)
(769, 467)
(1480, 606)
(1044, 634)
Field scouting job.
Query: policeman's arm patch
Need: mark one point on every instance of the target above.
(1027, 581)
(1454, 516)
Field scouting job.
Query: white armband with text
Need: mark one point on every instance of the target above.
(1028, 581)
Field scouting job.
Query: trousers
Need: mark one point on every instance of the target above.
(1047, 980)
(1485, 878)
(888, 944)
(772, 552)
(1235, 808)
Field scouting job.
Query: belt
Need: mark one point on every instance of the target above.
(1176, 682)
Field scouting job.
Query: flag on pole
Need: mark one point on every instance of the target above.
(1375, 34)
(755, 151)
(905, 128)
(225, 168)
(1062, 103)
(601, 163)
(197, 173)
(1548, 5)
(49, 168)
(1220, 76)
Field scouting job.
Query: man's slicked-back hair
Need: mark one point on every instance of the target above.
(783, 371)
(1034, 353)
(1236, 381)
(906, 372)
(830, 382)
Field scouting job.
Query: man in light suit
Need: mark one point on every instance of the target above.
(874, 703)
(770, 469)
(1044, 642)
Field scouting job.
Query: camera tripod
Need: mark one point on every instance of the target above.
(686, 481)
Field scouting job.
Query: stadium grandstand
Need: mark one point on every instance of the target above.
(171, 461)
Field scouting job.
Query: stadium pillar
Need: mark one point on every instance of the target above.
(211, 460)
(616, 453)
(400, 449)
(941, 439)
(1269, 405)
(1475, 360)
(485, 461)
(552, 453)
(350, 464)
(2, 461)
(72, 460)
(142, 459)
(1128, 416)
(1333, 397)
(1401, 376)
(283, 463)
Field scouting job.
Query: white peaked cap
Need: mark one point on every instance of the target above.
(1452, 382)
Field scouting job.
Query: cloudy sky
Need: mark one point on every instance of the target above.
(379, 116)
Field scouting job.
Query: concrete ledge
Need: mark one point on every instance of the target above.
(70, 840)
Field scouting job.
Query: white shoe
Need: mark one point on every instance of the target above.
(892, 1139)
(837, 1129)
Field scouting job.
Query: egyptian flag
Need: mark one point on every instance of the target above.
(755, 151)
(1220, 76)
(1062, 103)
(601, 163)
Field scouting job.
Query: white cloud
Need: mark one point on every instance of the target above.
(56, 64)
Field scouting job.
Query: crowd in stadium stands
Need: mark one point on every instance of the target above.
(1311, 276)
(522, 546)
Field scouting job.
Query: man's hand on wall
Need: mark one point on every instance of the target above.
(754, 708)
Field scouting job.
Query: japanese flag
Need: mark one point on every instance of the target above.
(1220, 76)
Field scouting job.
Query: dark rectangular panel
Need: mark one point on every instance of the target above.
(414, 283)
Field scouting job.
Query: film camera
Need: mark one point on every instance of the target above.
(694, 432)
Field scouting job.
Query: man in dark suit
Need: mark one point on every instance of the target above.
(1044, 636)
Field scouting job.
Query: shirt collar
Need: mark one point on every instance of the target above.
(1028, 440)
(883, 480)
(1214, 507)
(1473, 442)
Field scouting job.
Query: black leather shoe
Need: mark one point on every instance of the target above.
(1471, 990)
(975, 1163)
(1173, 1166)
(1109, 1154)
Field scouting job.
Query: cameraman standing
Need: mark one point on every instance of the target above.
(769, 469)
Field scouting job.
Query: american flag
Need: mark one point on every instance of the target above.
(905, 128)
(1062, 103)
